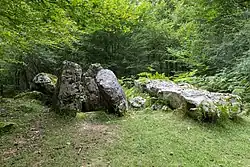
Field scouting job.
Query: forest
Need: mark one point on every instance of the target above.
(204, 43)
(209, 38)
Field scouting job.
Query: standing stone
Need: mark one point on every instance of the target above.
(69, 92)
(96, 89)
(92, 94)
(113, 96)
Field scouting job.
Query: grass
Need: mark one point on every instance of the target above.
(167, 139)
(43, 138)
(142, 138)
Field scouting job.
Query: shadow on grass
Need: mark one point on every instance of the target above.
(101, 117)
(220, 125)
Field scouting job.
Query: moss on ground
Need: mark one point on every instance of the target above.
(30, 95)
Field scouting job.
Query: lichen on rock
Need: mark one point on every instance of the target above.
(111, 92)
(45, 83)
(95, 89)
(69, 96)
(198, 103)
(137, 102)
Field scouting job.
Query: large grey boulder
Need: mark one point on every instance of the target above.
(112, 94)
(198, 103)
(69, 92)
(45, 83)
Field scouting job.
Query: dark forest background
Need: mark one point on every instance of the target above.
(205, 42)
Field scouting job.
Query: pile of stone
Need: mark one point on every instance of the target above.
(96, 89)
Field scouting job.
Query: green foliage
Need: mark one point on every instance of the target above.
(247, 109)
(156, 75)
(41, 34)
(205, 43)
(127, 82)
(80, 115)
(213, 112)
(227, 81)
(134, 92)
(184, 77)
(6, 126)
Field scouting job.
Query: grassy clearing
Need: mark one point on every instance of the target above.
(142, 138)
(42, 138)
(167, 139)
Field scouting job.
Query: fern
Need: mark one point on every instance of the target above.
(156, 75)
(185, 77)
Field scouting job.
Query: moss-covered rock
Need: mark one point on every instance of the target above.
(45, 83)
